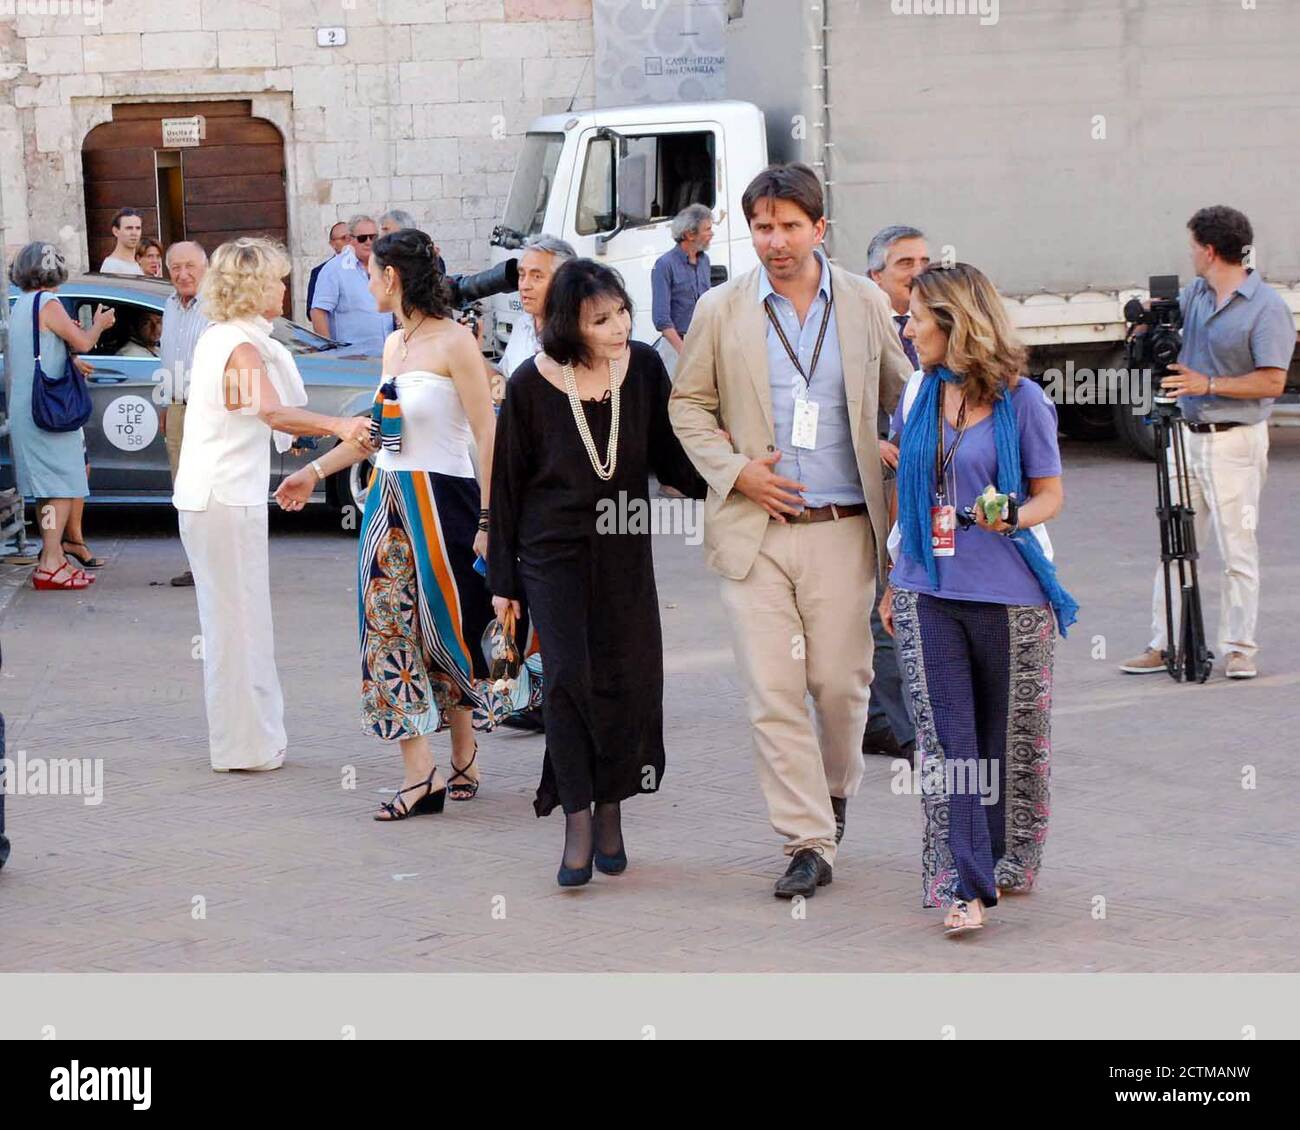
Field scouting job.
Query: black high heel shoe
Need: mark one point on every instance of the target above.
(428, 805)
(573, 876)
(614, 864)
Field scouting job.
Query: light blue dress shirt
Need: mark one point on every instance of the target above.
(343, 292)
(830, 473)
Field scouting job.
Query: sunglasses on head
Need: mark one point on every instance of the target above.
(365, 238)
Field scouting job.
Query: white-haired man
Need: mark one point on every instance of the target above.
(183, 322)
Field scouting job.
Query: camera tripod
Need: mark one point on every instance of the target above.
(1189, 659)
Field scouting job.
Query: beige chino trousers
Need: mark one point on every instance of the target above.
(801, 626)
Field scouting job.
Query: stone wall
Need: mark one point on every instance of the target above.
(422, 109)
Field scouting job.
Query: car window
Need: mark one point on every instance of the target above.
(134, 334)
(299, 339)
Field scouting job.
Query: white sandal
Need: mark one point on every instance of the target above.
(965, 923)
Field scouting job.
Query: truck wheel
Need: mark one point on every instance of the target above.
(1085, 422)
(1135, 432)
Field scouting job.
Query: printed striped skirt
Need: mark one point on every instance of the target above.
(423, 607)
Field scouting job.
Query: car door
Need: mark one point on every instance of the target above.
(124, 441)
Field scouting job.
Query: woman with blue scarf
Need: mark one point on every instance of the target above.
(973, 601)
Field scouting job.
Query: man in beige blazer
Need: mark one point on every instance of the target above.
(775, 400)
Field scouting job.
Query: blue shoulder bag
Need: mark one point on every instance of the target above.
(60, 403)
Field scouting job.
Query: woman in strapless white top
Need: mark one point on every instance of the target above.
(423, 607)
(244, 390)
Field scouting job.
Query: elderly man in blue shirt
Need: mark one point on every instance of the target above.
(342, 306)
(681, 275)
(1238, 339)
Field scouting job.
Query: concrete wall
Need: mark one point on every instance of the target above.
(987, 136)
(422, 109)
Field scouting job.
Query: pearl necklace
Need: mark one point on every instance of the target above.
(604, 470)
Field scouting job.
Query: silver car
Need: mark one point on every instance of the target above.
(124, 443)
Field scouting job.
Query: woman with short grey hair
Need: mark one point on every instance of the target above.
(51, 466)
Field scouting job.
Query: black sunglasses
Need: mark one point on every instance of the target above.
(365, 238)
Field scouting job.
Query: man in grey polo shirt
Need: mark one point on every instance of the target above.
(1238, 338)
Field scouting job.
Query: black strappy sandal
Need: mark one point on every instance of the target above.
(469, 790)
(428, 805)
(87, 560)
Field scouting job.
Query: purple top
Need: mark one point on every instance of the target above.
(987, 566)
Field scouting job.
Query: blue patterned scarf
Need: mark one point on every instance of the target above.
(916, 488)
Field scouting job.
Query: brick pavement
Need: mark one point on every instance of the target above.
(1149, 812)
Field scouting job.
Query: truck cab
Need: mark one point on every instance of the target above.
(610, 182)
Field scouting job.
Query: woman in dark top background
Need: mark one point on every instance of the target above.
(582, 427)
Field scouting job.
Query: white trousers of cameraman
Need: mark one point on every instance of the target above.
(1226, 472)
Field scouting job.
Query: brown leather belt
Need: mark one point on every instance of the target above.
(1201, 428)
(831, 513)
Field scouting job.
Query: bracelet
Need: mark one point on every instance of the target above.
(1210, 390)
(315, 466)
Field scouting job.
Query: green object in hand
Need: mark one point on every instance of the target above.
(993, 504)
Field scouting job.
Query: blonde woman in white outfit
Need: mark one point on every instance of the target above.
(244, 388)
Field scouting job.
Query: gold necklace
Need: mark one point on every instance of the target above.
(407, 336)
(604, 470)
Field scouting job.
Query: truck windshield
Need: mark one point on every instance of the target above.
(531, 188)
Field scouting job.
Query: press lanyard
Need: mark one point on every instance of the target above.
(789, 349)
(944, 460)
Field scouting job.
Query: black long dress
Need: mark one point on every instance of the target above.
(557, 540)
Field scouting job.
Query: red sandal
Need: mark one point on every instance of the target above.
(47, 579)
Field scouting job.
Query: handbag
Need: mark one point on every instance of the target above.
(895, 542)
(60, 403)
(509, 678)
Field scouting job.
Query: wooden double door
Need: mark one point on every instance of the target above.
(231, 184)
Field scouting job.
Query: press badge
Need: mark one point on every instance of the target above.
(804, 432)
(943, 530)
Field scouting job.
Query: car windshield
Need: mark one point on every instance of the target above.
(299, 339)
(531, 188)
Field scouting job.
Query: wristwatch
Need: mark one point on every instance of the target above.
(315, 466)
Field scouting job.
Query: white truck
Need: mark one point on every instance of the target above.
(1068, 188)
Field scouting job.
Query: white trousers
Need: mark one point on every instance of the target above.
(227, 548)
(1226, 471)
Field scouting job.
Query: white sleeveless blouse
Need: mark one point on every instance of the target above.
(436, 435)
(224, 455)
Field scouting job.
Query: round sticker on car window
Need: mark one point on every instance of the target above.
(130, 422)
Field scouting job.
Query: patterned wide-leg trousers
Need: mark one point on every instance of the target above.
(980, 681)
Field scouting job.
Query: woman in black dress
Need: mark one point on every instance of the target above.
(582, 427)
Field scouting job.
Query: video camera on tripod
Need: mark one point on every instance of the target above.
(1153, 343)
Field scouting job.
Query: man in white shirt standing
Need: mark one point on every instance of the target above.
(128, 227)
(183, 322)
(542, 257)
